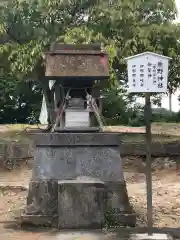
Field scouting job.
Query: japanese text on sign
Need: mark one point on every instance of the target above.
(160, 74)
(134, 76)
(147, 72)
(142, 75)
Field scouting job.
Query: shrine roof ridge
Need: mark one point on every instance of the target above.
(75, 52)
(60, 48)
(148, 53)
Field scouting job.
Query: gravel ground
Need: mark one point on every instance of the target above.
(166, 192)
(166, 197)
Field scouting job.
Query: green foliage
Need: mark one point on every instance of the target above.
(118, 108)
(28, 27)
(163, 115)
(16, 102)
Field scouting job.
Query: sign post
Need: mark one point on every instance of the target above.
(148, 73)
(147, 114)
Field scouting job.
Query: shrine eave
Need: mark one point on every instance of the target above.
(77, 78)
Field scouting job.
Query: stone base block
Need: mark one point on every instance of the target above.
(118, 211)
(42, 198)
(150, 237)
(39, 220)
(120, 219)
(80, 204)
(79, 178)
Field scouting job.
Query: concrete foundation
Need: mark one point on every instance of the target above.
(155, 236)
(78, 182)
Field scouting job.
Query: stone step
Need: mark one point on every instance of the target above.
(78, 129)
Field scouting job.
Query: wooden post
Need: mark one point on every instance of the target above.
(148, 114)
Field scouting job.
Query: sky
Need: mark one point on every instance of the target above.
(178, 3)
(165, 100)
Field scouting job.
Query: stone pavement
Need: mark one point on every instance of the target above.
(83, 235)
(17, 233)
(99, 235)
(76, 236)
(62, 235)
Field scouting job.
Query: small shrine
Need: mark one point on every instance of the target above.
(77, 74)
(77, 178)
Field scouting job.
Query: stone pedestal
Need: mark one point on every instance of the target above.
(80, 204)
(88, 163)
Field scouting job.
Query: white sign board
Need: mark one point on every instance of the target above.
(147, 72)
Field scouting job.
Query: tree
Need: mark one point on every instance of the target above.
(138, 26)
(31, 26)
(125, 27)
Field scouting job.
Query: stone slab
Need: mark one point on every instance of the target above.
(62, 163)
(38, 220)
(145, 236)
(78, 130)
(42, 198)
(80, 204)
(76, 139)
(81, 235)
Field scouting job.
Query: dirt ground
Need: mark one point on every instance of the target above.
(162, 132)
(166, 188)
(166, 196)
